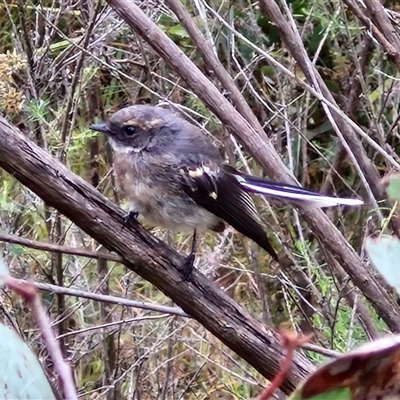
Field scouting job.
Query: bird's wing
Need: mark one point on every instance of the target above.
(220, 193)
(264, 187)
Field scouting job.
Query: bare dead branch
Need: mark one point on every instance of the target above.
(47, 287)
(258, 144)
(390, 40)
(388, 45)
(145, 255)
(348, 137)
(213, 62)
(56, 248)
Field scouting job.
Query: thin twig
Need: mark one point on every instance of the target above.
(115, 323)
(55, 248)
(107, 298)
(214, 63)
(310, 89)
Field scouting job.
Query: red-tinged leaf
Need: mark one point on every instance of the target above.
(371, 372)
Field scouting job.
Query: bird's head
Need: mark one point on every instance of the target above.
(134, 128)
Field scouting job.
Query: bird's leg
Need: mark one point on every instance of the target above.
(130, 217)
(189, 261)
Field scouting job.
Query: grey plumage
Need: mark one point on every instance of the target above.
(147, 166)
(174, 176)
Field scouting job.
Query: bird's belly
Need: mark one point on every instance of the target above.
(179, 218)
(174, 211)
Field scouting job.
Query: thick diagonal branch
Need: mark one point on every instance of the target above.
(258, 144)
(145, 255)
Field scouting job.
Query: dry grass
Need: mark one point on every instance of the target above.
(81, 65)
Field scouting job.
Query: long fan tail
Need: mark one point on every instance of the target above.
(261, 186)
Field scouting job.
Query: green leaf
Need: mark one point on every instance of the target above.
(17, 250)
(336, 394)
(385, 255)
(21, 375)
(323, 128)
(393, 190)
(179, 31)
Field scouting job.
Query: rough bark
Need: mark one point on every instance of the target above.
(258, 144)
(145, 255)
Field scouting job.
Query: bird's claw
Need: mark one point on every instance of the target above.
(187, 267)
(130, 217)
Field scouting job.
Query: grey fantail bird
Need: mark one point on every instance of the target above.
(176, 178)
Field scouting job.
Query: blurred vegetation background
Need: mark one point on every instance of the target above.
(65, 65)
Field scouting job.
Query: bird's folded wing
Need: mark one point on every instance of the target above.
(221, 194)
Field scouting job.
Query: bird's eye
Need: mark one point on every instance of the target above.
(130, 130)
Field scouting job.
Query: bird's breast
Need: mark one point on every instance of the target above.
(154, 194)
(134, 180)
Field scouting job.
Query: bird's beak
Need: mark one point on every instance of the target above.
(99, 128)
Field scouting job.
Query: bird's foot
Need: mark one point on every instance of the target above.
(130, 217)
(187, 267)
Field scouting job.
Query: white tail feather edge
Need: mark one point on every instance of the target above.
(319, 200)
